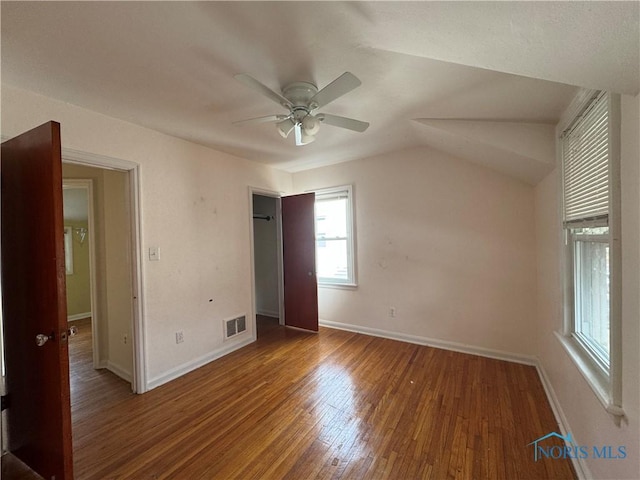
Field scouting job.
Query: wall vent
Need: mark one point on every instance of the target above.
(235, 326)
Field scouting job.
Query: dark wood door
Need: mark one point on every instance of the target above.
(299, 262)
(34, 302)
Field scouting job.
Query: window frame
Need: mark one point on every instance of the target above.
(351, 281)
(605, 382)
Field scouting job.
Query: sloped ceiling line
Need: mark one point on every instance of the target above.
(431, 60)
(531, 140)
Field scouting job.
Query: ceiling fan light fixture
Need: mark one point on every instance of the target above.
(310, 125)
(284, 128)
(306, 139)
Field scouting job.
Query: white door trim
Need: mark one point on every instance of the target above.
(139, 381)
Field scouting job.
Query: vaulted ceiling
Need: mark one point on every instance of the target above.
(485, 81)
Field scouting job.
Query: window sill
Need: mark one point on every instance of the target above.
(339, 286)
(598, 382)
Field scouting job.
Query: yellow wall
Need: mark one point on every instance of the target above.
(119, 290)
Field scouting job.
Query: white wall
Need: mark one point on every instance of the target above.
(449, 244)
(195, 207)
(587, 420)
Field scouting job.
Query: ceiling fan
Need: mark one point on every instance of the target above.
(302, 99)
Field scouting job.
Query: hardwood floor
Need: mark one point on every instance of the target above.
(335, 405)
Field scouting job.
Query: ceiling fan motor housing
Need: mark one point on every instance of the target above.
(300, 93)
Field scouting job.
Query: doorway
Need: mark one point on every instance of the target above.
(34, 260)
(79, 246)
(287, 248)
(125, 176)
(99, 283)
(267, 264)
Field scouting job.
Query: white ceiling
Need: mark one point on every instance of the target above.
(463, 77)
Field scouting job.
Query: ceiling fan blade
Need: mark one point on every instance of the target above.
(341, 85)
(251, 82)
(343, 122)
(268, 118)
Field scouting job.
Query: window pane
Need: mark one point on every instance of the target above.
(332, 259)
(592, 295)
(331, 218)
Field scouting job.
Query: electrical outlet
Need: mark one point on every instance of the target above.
(154, 253)
(392, 312)
(125, 338)
(179, 336)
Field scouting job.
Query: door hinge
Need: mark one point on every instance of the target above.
(6, 402)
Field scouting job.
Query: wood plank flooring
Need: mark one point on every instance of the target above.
(296, 405)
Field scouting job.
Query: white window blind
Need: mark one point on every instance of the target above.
(585, 151)
(332, 194)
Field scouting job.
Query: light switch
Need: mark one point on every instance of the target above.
(154, 253)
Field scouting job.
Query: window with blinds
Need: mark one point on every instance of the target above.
(586, 168)
(585, 152)
(590, 155)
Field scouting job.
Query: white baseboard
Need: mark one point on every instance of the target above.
(579, 464)
(78, 316)
(197, 363)
(432, 342)
(268, 313)
(119, 371)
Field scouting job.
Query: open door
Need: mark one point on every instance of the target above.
(299, 261)
(34, 303)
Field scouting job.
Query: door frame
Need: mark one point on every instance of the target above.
(87, 184)
(277, 196)
(78, 157)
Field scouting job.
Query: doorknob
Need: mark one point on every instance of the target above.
(41, 338)
(310, 274)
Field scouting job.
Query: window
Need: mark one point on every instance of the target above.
(68, 250)
(590, 179)
(590, 248)
(334, 236)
